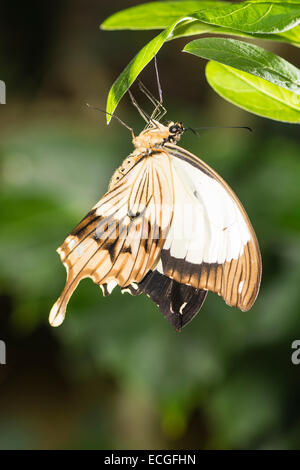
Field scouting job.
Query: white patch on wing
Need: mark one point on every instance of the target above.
(55, 318)
(159, 267)
(207, 225)
(71, 242)
(241, 285)
(102, 289)
(111, 285)
(59, 251)
(80, 249)
(182, 307)
(126, 290)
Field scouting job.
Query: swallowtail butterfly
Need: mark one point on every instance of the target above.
(170, 227)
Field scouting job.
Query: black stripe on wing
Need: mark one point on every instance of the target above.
(177, 302)
(188, 157)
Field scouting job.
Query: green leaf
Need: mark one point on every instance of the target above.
(292, 35)
(195, 27)
(134, 68)
(253, 93)
(191, 28)
(159, 15)
(274, 1)
(154, 15)
(254, 17)
(249, 58)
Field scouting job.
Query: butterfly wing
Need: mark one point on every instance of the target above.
(179, 303)
(120, 239)
(211, 244)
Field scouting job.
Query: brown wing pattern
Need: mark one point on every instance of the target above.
(121, 238)
(237, 280)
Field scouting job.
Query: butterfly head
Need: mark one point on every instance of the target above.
(176, 129)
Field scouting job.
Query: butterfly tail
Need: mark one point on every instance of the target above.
(58, 311)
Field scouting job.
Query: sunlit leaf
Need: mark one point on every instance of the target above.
(195, 27)
(134, 68)
(159, 15)
(253, 93)
(275, 18)
(249, 58)
(155, 15)
(254, 17)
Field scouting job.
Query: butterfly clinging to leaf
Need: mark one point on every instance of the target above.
(169, 226)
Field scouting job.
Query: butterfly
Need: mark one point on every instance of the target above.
(170, 227)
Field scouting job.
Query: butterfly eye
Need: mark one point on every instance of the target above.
(173, 129)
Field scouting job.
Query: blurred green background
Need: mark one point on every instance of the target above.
(115, 375)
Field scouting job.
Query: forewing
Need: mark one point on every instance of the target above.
(120, 239)
(211, 244)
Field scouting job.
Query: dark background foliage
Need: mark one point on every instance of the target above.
(115, 375)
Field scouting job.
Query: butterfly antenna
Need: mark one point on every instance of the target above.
(113, 116)
(218, 127)
(192, 130)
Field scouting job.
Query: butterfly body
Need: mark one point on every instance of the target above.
(155, 137)
(168, 226)
(146, 143)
